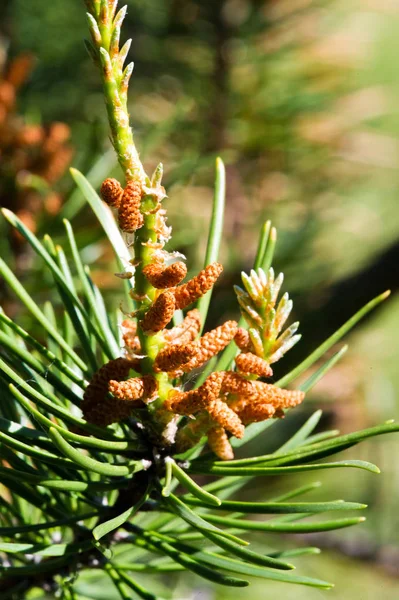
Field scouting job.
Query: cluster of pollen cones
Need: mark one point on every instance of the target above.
(225, 403)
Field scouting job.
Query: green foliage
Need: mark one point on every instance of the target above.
(76, 496)
(49, 470)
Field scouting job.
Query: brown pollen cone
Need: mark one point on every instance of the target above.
(111, 192)
(222, 414)
(162, 277)
(252, 413)
(250, 364)
(96, 406)
(233, 383)
(210, 344)
(188, 403)
(129, 335)
(187, 330)
(160, 313)
(219, 443)
(137, 388)
(277, 397)
(206, 398)
(187, 293)
(173, 356)
(243, 341)
(129, 215)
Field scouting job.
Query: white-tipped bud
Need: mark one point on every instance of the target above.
(270, 276)
(106, 63)
(256, 283)
(268, 328)
(104, 11)
(94, 30)
(250, 287)
(114, 44)
(240, 292)
(256, 341)
(262, 277)
(112, 6)
(250, 314)
(284, 348)
(258, 307)
(121, 14)
(126, 78)
(282, 313)
(275, 288)
(156, 178)
(288, 333)
(124, 51)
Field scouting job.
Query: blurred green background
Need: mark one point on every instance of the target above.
(300, 98)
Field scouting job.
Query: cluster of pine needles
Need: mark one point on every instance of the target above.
(119, 430)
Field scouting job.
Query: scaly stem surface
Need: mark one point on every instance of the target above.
(105, 28)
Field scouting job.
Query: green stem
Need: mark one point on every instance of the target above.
(105, 31)
(115, 80)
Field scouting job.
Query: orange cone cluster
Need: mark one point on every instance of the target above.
(175, 297)
(227, 401)
(230, 401)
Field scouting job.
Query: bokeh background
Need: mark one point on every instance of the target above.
(300, 98)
